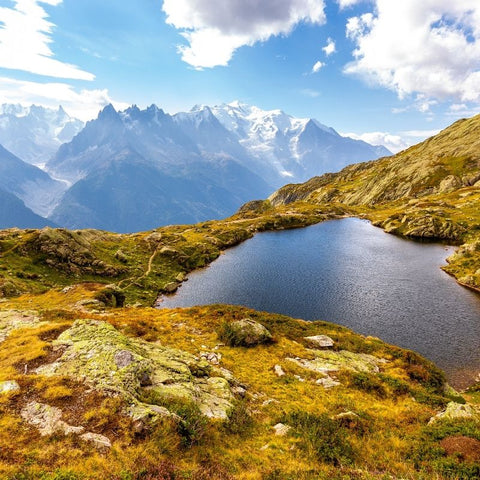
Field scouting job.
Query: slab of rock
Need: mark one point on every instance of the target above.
(47, 419)
(322, 341)
(457, 411)
(130, 367)
(328, 382)
(123, 358)
(11, 320)
(99, 441)
(248, 333)
(326, 361)
(9, 386)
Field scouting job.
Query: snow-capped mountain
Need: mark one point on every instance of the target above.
(139, 169)
(294, 148)
(35, 133)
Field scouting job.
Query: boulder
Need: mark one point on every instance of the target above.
(278, 371)
(322, 341)
(246, 333)
(281, 430)
(457, 411)
(170, 287)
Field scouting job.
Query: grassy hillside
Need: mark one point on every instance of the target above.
(360, 409)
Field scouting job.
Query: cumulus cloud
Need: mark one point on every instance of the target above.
(429, 48)
(84, 104)
(25, 38)
(317, 66)
(215, 29)
(395, 142)
(329, 48)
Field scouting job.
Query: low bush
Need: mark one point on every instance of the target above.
(323, 437)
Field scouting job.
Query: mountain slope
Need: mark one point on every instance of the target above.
(35, 133)
(129, 194)
(14, 213)
(441, 164)
(36, 188)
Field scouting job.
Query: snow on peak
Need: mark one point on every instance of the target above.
(34, 133)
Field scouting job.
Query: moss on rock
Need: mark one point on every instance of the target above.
(134, 369)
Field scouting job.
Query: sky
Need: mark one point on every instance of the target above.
(389, 72)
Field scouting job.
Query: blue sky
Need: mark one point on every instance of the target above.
(394, 72)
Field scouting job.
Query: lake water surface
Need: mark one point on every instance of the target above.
(351, 273)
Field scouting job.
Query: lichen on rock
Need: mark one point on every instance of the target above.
(11, 320)
(135, 369)
(328, 361)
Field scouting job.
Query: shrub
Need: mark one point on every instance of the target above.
(325, 438)
(239, 421)
(111, 297)
(368, 383)
(192, 425)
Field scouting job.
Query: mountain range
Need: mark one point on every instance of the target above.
(35, 133)
(138, 169)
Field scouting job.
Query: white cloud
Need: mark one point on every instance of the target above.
(83, 104)
(317, 66)
(214, 29)
(329, 48)
(395, 142)
(429, 47)
(25, 38)
(462, 110)
(308, 92)
(347, 3)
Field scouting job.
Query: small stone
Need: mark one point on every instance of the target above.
(299, 378)
(213, 358)
(347, 416)
(269, 401)
(99, 441)
(281, 430)
(240, 391)
(278, 371)
(9, 386)
(180, 277)
(322, 341)
(123, 358)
